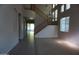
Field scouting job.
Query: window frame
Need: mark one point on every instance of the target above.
(66, 24)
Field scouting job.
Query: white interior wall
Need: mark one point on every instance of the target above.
(19, 9)
(8, 28)
(51, 31)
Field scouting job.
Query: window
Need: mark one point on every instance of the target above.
(67, 6)
(54, 5)
(55, 15)
(64, 24)
(53, 20)
(62, 8)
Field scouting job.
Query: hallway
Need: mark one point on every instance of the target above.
(52, 47)
(25, 47)
(42, 46)
(39, 29)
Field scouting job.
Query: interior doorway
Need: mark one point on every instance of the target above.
(30, 27)
(30, 32)
(19, 26)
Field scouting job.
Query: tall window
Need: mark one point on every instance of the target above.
(54, 5)
(62, 8)
(64, 24)
(65, 7)
(55, 15)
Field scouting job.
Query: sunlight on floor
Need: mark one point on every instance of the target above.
(68, 44)
(30, 35)
(30, 32)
